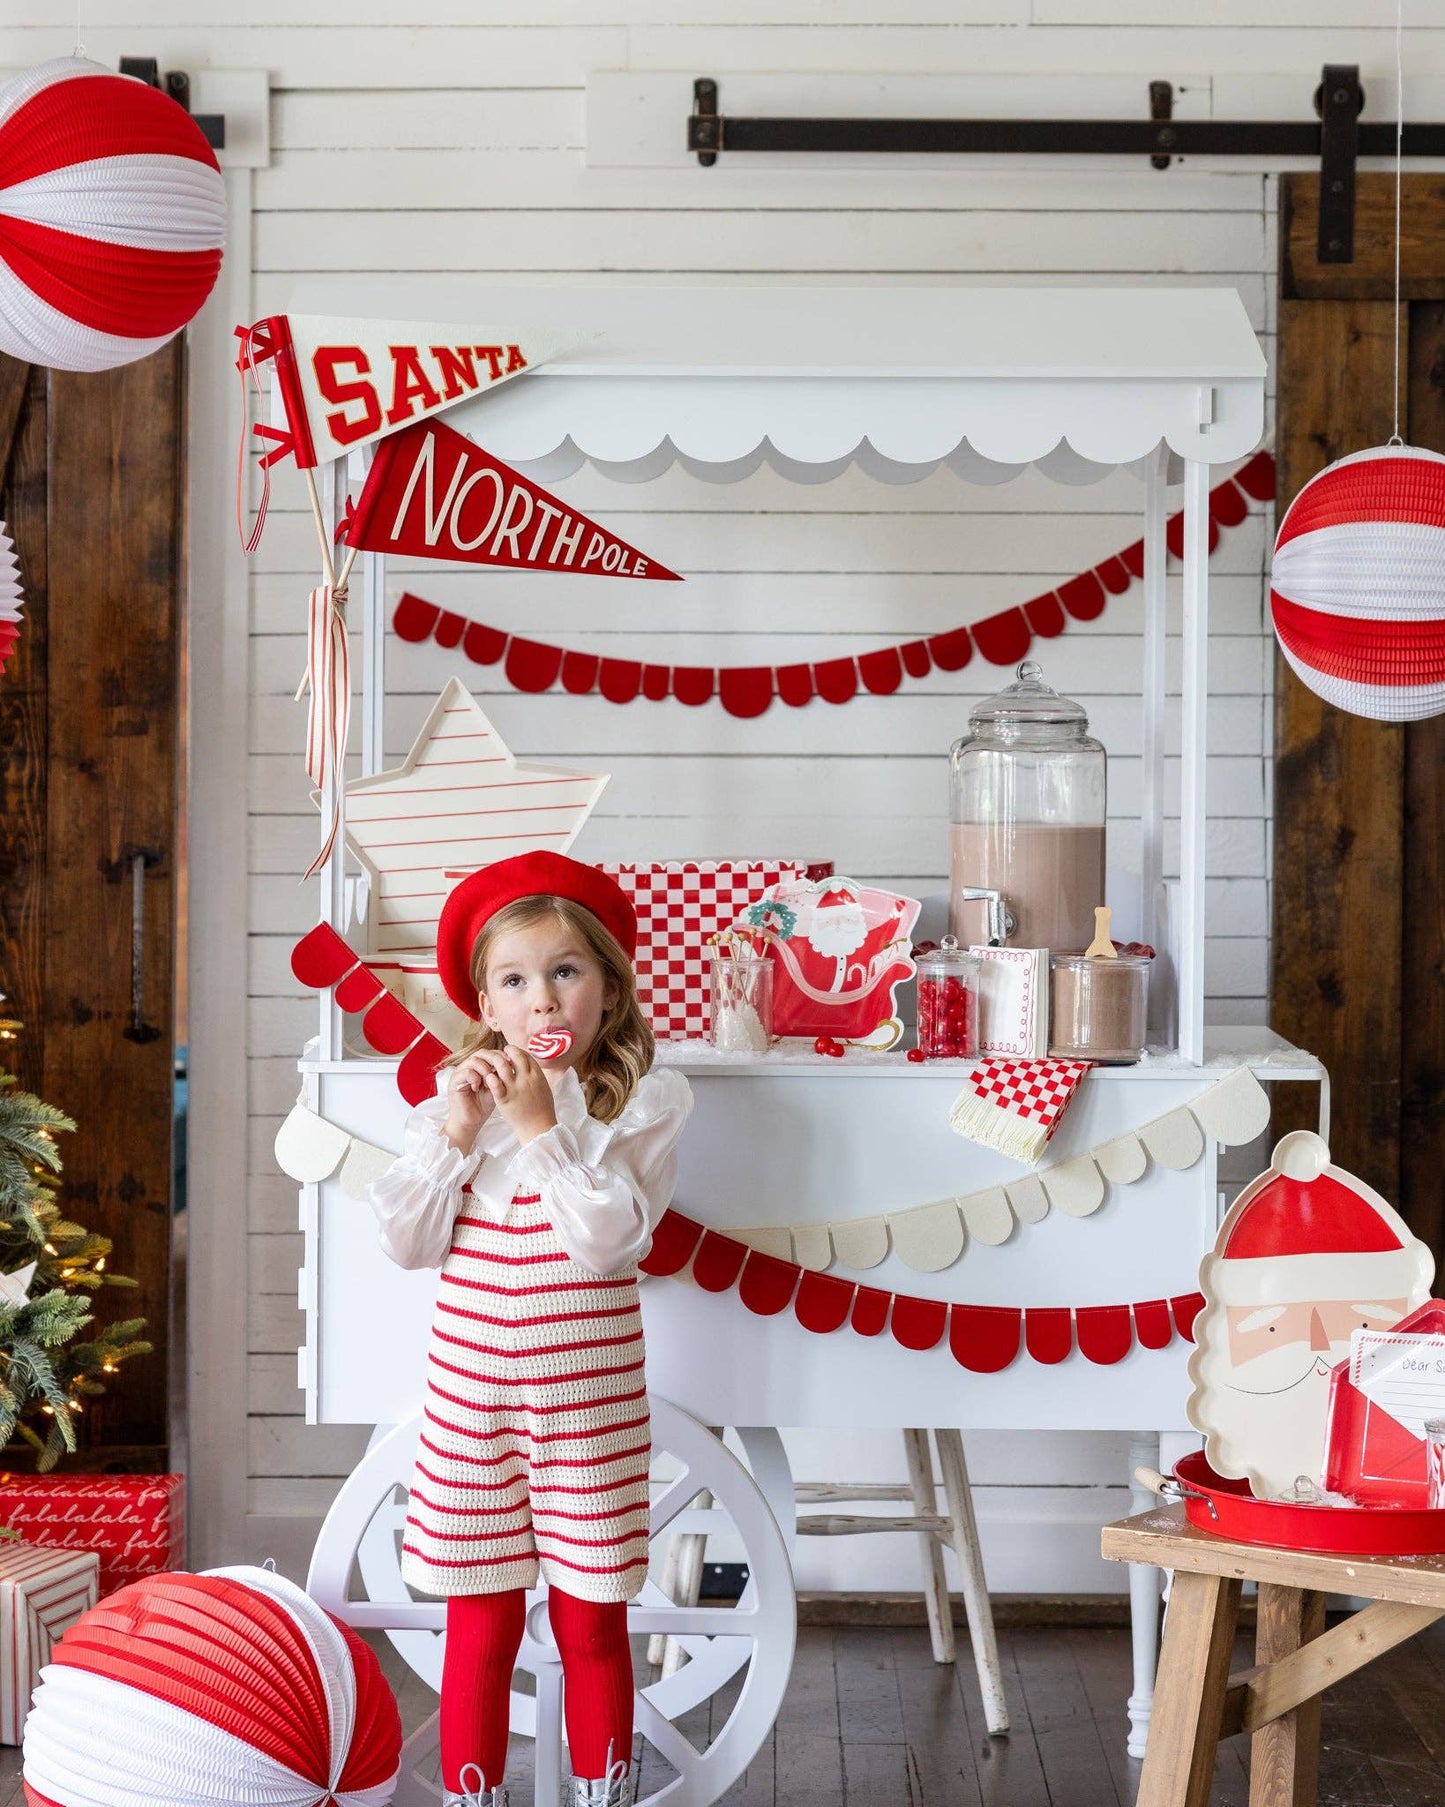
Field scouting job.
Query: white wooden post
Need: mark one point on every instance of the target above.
(1195, 687)
(1155, 686)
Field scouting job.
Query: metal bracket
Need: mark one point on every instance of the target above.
(704, 129)
(1339, 100)
(177, 84)
(1161, 107)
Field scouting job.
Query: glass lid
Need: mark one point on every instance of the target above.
(1028, 702)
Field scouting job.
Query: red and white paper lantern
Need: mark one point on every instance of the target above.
(231, 1687)
(112, 217)
(1358, 585)
(12, 597)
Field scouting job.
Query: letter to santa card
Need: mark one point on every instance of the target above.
(1401, 1375)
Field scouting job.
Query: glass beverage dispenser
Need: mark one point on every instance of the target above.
(1027, 841)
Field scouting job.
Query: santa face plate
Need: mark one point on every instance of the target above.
(840, 951)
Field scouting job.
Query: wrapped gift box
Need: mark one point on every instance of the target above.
(136, 1523)
(42, 1594)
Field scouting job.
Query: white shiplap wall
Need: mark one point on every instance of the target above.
(415, 164)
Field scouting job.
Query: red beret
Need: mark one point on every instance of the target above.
(477, 899)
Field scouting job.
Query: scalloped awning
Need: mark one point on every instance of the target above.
(899, 380)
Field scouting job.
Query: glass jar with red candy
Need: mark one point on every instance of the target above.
(948, 1002)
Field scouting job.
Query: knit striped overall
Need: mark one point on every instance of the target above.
(535, 1442)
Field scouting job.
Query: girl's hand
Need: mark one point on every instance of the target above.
(519, 1088)
(469, 1102)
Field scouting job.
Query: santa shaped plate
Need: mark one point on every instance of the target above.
(840, 950)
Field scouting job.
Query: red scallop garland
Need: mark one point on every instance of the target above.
(748, 690)
(985, 1339)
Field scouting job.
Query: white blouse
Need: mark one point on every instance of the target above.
(605, 1184)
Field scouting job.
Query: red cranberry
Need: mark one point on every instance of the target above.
(917, 1054)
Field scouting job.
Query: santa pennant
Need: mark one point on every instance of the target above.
(344, 383)
(432, 493)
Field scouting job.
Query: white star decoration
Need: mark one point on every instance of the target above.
(458, 801)
(15, 1288)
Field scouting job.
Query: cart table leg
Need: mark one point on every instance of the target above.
(1284, 1755)
(1144, 1584)
(1190, 1691)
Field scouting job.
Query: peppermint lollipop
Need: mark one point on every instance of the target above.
(550, 1044)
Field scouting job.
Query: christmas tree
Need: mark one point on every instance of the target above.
(48, 1267)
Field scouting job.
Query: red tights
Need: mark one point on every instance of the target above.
(484, 1632)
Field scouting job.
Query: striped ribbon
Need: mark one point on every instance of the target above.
(328, 718)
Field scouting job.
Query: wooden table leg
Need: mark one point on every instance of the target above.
(1189, 1691)
(1285, 1754)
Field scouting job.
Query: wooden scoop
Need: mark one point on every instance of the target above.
(1101, 947)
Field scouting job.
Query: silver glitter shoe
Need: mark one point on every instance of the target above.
(616, 1789)
(480, 1796)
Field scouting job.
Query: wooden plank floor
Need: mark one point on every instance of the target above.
(869, 1717)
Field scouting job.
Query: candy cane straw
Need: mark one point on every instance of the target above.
(550, 1044)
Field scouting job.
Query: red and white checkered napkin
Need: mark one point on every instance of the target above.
(680, 904)
(1015, 1105)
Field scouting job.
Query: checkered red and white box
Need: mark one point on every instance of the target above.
(679, 904)
(42, 1594)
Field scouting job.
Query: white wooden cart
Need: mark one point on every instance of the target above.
(987, 382)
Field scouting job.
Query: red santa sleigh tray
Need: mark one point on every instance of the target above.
(1229, 1509)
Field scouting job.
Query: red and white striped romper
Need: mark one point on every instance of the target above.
(535, 1441)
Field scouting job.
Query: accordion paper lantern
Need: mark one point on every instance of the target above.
(11, 597)
(112, 217)
(231, 1688)
(1358, 584)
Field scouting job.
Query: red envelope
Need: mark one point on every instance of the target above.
(1371, 1457)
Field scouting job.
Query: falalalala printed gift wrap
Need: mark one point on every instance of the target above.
(136, 1523)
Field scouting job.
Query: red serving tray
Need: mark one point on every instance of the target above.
(1229, 1509)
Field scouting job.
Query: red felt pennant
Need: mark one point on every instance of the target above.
(1003, 639)
(321, 957)
(870, 1310)
(768, 1284)
(1256, 477)
(357, 989)
(656, 680)
(1152, 1325)
(718, 1262)
(1132, 559)
(620, 679)
(579, 672)
(483, 645)
(531, 666)
(918, 1323)
(951, 651)
(450, 629)
(1049, 1333)
(693, 684)
(1228, 505)
(415, 617)
(1186, 1308)
(746, 690)
(416, 1077)
(984, 1338)
(389, 1026)
(673, 1241)
(1105, 1333)
(823, 1302)
(1084, 596)
(836, 680)
(795, 685)
(881, 672)
(1115, 576)
(1174, 535)
(916, 660)
(1045, 615)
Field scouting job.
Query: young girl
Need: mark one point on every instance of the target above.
(535, 1187)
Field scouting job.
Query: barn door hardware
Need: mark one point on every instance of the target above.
(178, 85)
(1337, 138)
(137, 861)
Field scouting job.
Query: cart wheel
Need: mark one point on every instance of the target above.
(364, 1527)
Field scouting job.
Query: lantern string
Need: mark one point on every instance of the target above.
(1395, 438)
(79, 47)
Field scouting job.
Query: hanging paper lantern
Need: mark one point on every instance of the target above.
(11, 598)
(230, 1687)
(112, 217)
(1358, 585)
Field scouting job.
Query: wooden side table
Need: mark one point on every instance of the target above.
(1196, 1699)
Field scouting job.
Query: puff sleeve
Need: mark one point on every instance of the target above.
(606, 1185)
(417, 1199)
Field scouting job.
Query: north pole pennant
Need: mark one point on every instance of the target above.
(432, 493)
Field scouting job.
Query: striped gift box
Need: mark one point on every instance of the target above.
(42, 1594)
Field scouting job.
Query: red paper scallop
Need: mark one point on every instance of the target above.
(531, 666)
(389, 1026)
(656, 682)
(1114, 575)
(1083, 596)
(836, 680)
(693, 684)
(870, 1310)
(718, 1262)
(746, 690)
(1049, 1333)
(1003, 639)
(984, 1338)
(1174, 535)
(795, 685)
(321, 957)
(358, 989)
(579, 672)
(414, 617)
(484, 645)
(823, 1302)
(1132, 559)
(1106, 1333)
(450, 629)
(916, 659)
(620, 679)
(1227, 505)
(1256, 477)
(1045, 615)
(768, 1284)
(1186, 1308)
(951, 651)
(416, 1077)
(673, 1241)
(881, 672)
(1152, 1324)
(918, 1323)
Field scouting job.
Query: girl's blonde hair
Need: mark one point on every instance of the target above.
(624, 1047)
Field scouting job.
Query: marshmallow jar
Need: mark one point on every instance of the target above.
(1307, 1255)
